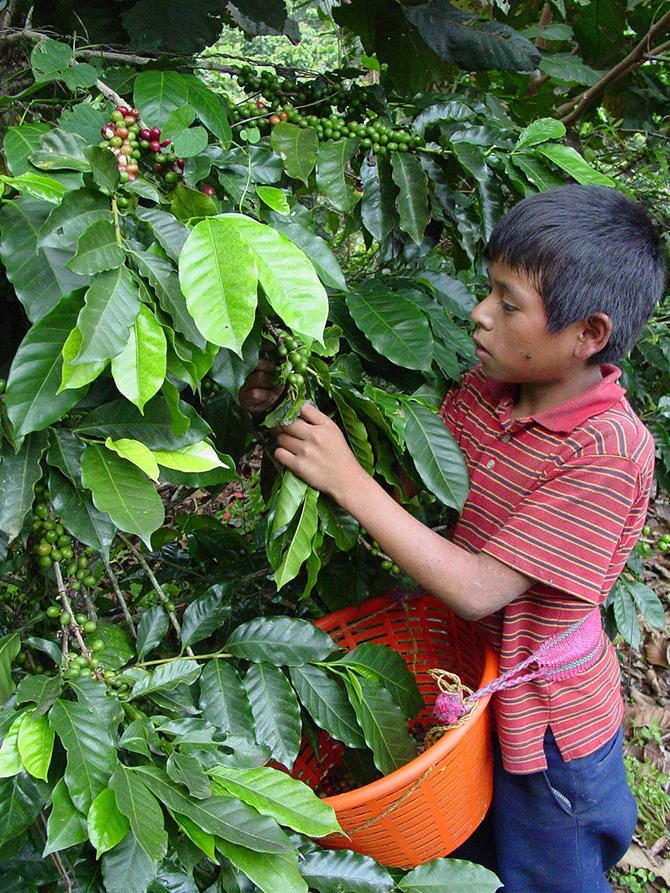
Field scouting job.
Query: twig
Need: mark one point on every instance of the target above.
(119, 596)
(571, 112)
(8, 15)
(56, 858)
(67, 606)
(157, 588)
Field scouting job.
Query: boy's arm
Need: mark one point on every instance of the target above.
(473, 585)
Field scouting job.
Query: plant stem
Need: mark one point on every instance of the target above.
(119, 596)
(157, 588)
(67, 606)
(191, 656)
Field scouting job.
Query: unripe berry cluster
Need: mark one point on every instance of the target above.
(294, 358)
(356, 114)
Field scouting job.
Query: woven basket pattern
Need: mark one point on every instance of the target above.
(430, 806)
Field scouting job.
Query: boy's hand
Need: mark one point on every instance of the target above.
(314, 448)
(258, 394)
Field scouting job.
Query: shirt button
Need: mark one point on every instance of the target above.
(490, 463)
(506, 438)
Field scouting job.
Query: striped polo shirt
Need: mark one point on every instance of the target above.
(560, 496)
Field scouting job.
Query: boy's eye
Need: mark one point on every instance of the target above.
(508, 308)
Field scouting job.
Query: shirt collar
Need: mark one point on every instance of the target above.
(569, 415)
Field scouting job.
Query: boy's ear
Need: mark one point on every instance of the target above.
(593, 336)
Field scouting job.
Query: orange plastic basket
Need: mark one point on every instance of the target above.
(430, 806)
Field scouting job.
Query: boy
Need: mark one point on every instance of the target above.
(561, 470)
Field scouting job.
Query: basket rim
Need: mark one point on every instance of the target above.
(413, 770)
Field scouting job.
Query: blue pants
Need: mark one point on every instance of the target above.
(560, 830)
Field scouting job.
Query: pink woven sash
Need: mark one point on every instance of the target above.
(560, 656)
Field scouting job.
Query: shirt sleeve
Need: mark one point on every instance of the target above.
(573, 529)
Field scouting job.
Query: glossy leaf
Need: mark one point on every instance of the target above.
(170, 233)
(194, 458)
(297, 147)
(40, 689)
(300, 547)
(82, 374)
(395, 326)
(106, 824)
(218, 277)
(356, 432)
(377, 205)
(190, 142)
(391, 671)
(223, 698)
(66, 826)
(332, 160)
(40, 187)
(33, 399)
(187, 770)
(158, 93)
(274, 198)
(569, 160)
(326, 701)
(330, 871)
(456, 36)
(19, 472)
(10, 756)
(289, 801)
(436, 455)
(409, 177)
(288, 500)
(209, 108)
(297, 225)
(151, 629)
(276, 711)
(122, 491)
(202, 839)
(19, 143)
(67, 223)
(284, 641)
(20, 804)
(39, 275)
(91, 755)
(80, 517)
(227, 818)
(164, 279)
(267, 872)
(135, 451)
(142, 810)
(167, 676)
(205, 615)
(59, 150)
(139, 370)
(97, 250)
(384, 725)
(126, 868)
(455, 875)
(104, 167)
(111, 306)
(540, 131)
(35, 743)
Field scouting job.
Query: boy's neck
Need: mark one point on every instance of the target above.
(536, 397)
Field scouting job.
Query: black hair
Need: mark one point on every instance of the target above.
(586, 249)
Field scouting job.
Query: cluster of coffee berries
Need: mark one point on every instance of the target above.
(294, 358)
(375, 550)
(132, 144)
(357, 116)
(646, 547)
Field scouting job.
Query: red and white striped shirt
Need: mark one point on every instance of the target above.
(561, 497)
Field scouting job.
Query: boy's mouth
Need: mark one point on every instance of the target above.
(481, 351)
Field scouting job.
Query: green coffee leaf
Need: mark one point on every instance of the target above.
(206, 615)
(284, 641)
(142, 810)
(297, 147)
(35, 744)
(9, 648)
(150, 630)
(326, 701)
(276, 711)
(97, 250)
(412, 201)
(121, 490)
(66, 826)
(223, 699)
(111, 306)
(106, 824)
(139, 369)
(137, 453)
(268, 872)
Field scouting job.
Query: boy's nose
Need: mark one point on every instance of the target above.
(481, 315)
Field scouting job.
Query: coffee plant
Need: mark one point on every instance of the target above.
(158, 664)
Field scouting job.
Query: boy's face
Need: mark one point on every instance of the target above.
(511, 337)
